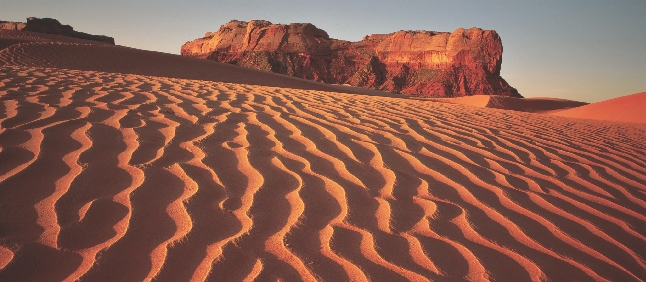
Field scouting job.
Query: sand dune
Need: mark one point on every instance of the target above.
(140, 174)
(108, 176)
(78, 54)
(630, 108)
(11, 37)
(531, 105)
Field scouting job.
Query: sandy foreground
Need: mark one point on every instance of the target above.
(109, 175)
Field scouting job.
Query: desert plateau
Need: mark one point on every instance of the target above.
(120, 164)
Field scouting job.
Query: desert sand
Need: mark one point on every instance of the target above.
(116, 170)
(630, 108)
(543, 105)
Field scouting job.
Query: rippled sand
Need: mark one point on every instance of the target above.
(117, 176)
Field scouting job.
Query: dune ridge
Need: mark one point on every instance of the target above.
(531, 105)
(54, 51)
(629, 108)
(116, 176)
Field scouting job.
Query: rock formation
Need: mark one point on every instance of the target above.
(417, 63)
(52, 26)
(12, 25)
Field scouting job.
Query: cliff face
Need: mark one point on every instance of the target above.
(419, 63)
(52, 26)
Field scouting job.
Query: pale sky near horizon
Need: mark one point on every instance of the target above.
(585, 50)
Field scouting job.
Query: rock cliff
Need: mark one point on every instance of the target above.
(52, 26)
(417, 63)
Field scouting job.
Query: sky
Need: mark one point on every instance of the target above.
(584, 50)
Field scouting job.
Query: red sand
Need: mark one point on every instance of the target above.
(45, 50)
(631, 108)
(124, 176)
(531, 105)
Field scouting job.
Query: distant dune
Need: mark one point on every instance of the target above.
(45, 50)
(532, 105)
(631, 108)
(11, 37)
(119, 164)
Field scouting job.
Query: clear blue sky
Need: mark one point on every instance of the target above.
(586, 50)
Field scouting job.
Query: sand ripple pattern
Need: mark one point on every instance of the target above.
(114, 177)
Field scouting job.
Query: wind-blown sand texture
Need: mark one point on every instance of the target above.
(127, 177)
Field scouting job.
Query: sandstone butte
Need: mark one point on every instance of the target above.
(53, 26)
(417, 63)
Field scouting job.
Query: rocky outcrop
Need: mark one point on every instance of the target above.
(93, 37)
(12, 25)
(418, 63)
(49, 26)
(52, 26)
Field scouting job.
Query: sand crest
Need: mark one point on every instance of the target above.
(115, 176)
(630, 108)
(531, 105)
(70, 53)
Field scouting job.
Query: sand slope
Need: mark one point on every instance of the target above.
(121, 177)
(531, 105)
(11, 37)
(71, 53)
(630, 108)
(115, 166)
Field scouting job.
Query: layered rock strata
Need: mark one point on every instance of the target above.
(53, 26)
(417, 63)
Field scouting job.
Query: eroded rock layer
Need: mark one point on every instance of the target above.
(53, 26)
(418, 63)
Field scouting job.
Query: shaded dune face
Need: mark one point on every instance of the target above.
(123, 177)
(531, 105)
(52, 51)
